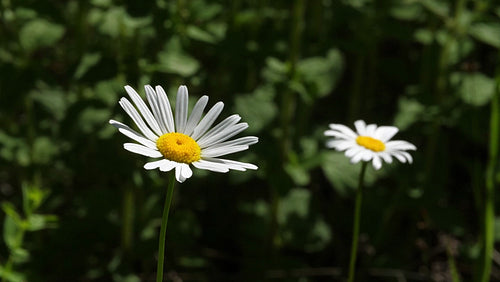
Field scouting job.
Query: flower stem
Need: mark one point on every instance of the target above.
(488, 227)
(355, 228)
(163, 230)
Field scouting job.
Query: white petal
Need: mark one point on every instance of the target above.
(186, 171)
(340, 145)
(338, 134)
(353, 151)
(229, 121)
(181, 109)
(196, 114)
(142, 150)
(132, 134)
(385, 133)
(238, 165)
(145, 112)
(178, 174)
(132, 112)
(399, 145)
(155, 107)
(222, 135)
(367, 155)
(207, 120)
(407, 156)
(212, 166)
(363, 154)
(223, 165)
(377, 163)
(360, 127)
(165, 108)
(370, 129)
(168, 165)
(399, 156)
(247, 140)
(386, 156)
(155, 164)
(343, 129)
(222, 151)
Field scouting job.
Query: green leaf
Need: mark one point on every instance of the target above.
(33, 197)
(174, 60)
(407, 11)
(409, 112)
(11, 212)
(320, 236)
(258, 108)
(438, 8)
(218, 30)
(11, 231)
(321, 74)
(475, 89)
(40, 33)
(20, 255)
(10, 275)
(423, 36)
(488, 33)
(199, 34)
(298, 173)
(295, 202)
(25, 14)
(41, 221)
(101, 3)
(116, 22)
(52, 99)
(44, 150)
(275, 70)
(87, 62)
(10, 146)
(343, 175)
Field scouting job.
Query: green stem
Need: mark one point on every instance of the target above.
(355, 228)
(163, 230)
(488, 226)
(289, 97)
(7, 269)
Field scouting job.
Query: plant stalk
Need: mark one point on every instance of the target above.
(488, 227)
(355, 228)
(163, 230)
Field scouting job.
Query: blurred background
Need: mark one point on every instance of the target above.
(77, 207)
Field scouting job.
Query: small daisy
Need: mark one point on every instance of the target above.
(369, 143)
(181, 140)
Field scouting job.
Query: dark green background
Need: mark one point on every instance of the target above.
(288, 68)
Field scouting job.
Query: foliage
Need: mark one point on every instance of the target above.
(288, 68)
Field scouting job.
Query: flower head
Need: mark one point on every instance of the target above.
(181, 140)
(369, 143)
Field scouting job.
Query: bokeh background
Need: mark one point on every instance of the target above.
(77, 207)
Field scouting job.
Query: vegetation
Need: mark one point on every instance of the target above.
(77, 207)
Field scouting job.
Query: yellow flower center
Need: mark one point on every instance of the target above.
(370, 143)
(179, 148)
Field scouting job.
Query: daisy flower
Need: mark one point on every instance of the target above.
(369, 142)
(181, 140)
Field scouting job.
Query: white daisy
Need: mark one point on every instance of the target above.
(182, 140)
(369, 143)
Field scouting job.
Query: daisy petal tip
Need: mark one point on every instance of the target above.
(129, 89)
(253, 167)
